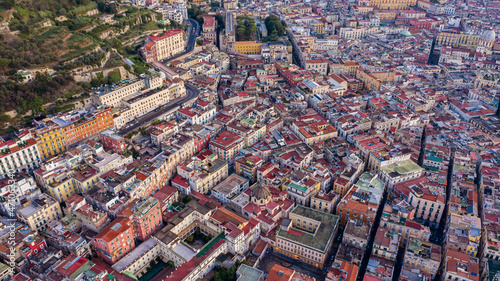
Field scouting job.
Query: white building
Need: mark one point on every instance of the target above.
(229, 188)
(19, 154)
(114, 98)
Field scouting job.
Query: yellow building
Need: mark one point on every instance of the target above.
(51, 139)
(457, 39)
(393, 4)
(373, 80)
(484, 82)
(319, 28)
(62, 183)
(370, 81)
(38, 213)
(350, 68)
(248, 47)
(386, 15)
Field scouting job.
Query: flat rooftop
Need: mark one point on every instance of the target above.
(401, 168)
(136, 254)
(231, 182)
(248, 273)
(321, 237)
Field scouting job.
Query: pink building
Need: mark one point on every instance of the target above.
(115, 241)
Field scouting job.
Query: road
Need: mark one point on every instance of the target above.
(192, 93)
(371, 238)
(191, 41)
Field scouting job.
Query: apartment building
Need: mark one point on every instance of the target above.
(393, 4)
(145, 215)
(423, 195)
(159, 47)
(248, 47)
(314, 128)
(51, 136)
(318, 65)
(89, 125)
(325, 202)
(203, 113)
(355, 205)
(386, 244)
(200, 174)
(457, 39)
(23, 186)
(115, 240)
(352, 33)
(354, 243)
(111, 140)
(18, 155)
(394, 173)
(39, 212)
(62, 182)
(460, 266)
(300, 188)
(423, 257)
(229, 188)
(94, 220)
(248, 165)
(307, 235)
(250, 129)
(209, 28)
(226, 145)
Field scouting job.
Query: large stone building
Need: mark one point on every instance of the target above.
(307, 235)
(159, 47)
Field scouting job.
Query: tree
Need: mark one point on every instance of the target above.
(114, 76)
(186, 199)
(9, 4)
(190, 239)
(4, 63)
(274, 23)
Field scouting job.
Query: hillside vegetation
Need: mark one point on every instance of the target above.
(66, 35)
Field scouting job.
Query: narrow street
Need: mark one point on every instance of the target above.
(371, 238)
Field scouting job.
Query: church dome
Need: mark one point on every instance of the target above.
(261, 192)
(405, 33)
(488, 35)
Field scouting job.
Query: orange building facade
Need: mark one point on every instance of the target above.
(115, 240)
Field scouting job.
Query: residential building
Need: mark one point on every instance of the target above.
(226, 145)
(111, 140)
(39, 212)
(229, 188)
(307, 235)
(422, 257)
(248, 165)
(200, 174)
(145, 215)
(19, 155)
(460, 266)
(115, 241)
(362, 201)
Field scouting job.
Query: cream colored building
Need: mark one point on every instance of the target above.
(39, 212)
(114, 98)
(352, 33)
(140, 103)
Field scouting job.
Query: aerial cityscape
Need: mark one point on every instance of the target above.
(247, 140)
